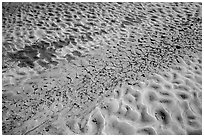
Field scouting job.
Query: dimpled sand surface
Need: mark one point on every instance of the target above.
(101, 68)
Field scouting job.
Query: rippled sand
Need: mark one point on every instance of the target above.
(101, 68)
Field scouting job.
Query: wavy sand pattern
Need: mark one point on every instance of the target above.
(104, 68)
